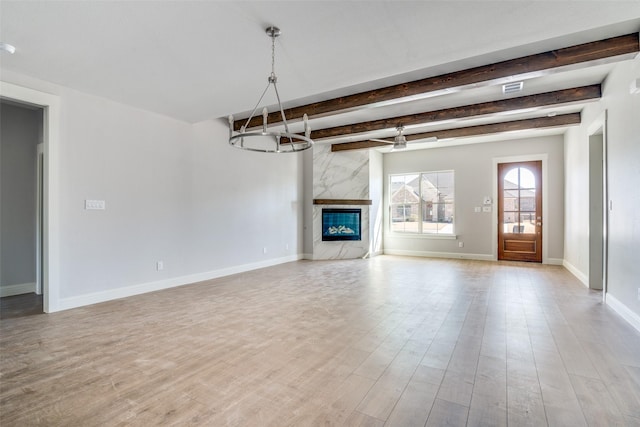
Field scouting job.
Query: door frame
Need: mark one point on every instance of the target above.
(543, 157)
(535, 237)
(51, 176)
(600, 124)
(39, 214)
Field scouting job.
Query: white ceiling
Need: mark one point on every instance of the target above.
(197, 60)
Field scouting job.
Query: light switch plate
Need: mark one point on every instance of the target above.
(477, 209)
(95, 205)
(486, 209)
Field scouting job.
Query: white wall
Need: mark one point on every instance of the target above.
(307, 158)
(138, 163)
(576, 246)
(174, 192)
(241, 202)
(596, 224)
(473, 166)
(20, 132)
(623, 145)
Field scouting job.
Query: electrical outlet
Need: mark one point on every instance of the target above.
(461, 244)
(264, 250)
(477, 209)
(638, 294)
(159, 265)
(286, 247)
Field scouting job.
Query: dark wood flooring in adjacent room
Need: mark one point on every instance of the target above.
(389, 341)
(20, 306)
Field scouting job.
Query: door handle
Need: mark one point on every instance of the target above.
(539, 224)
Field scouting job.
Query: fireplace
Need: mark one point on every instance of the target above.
(341, 224)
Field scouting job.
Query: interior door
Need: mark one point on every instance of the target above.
(520, 211)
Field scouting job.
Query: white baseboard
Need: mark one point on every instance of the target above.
(428, 254)
(579, 274)
(624, 311)
(19, 289)
(111, 294)
(554, 261)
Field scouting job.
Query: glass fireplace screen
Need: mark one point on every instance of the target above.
(341, 224)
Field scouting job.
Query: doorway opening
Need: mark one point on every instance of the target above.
(21, 207)
(49, 105)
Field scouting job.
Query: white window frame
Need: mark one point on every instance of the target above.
(420, 233)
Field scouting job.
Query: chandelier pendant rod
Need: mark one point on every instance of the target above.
(238, 139)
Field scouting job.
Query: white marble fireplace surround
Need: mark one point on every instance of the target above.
(342, 175)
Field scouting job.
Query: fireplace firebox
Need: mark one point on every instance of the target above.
(341, 224)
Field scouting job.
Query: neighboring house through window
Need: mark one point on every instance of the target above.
(422, 203)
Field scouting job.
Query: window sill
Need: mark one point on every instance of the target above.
(424, 236)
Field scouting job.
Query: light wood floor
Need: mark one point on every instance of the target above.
(390, 341)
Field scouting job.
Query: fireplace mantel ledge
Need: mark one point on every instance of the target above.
(342, 202)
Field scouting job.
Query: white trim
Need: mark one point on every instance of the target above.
(19, 289)
(625, 312)
(584, 279)
(51, 236)
(429, 254)
(39, 217)
(544, 158)
(555, 261)
(128, 291)
(427, 236)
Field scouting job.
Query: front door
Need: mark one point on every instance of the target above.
(520, 211)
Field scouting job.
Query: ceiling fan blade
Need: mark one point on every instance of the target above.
(380, 140)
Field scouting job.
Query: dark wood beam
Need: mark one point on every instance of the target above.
(357, 202)
(535, 123)
(615, 48)
(359, 145)
(558, 97)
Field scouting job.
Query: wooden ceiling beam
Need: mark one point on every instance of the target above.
(583, 55)
(491, 128)
(558, 97)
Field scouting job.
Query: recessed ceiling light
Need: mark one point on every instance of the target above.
(512, 87)
(6, 47)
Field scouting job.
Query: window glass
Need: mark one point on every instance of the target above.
(519, 200)
(422, 202)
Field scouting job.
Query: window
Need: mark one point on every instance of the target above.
(422, 203)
